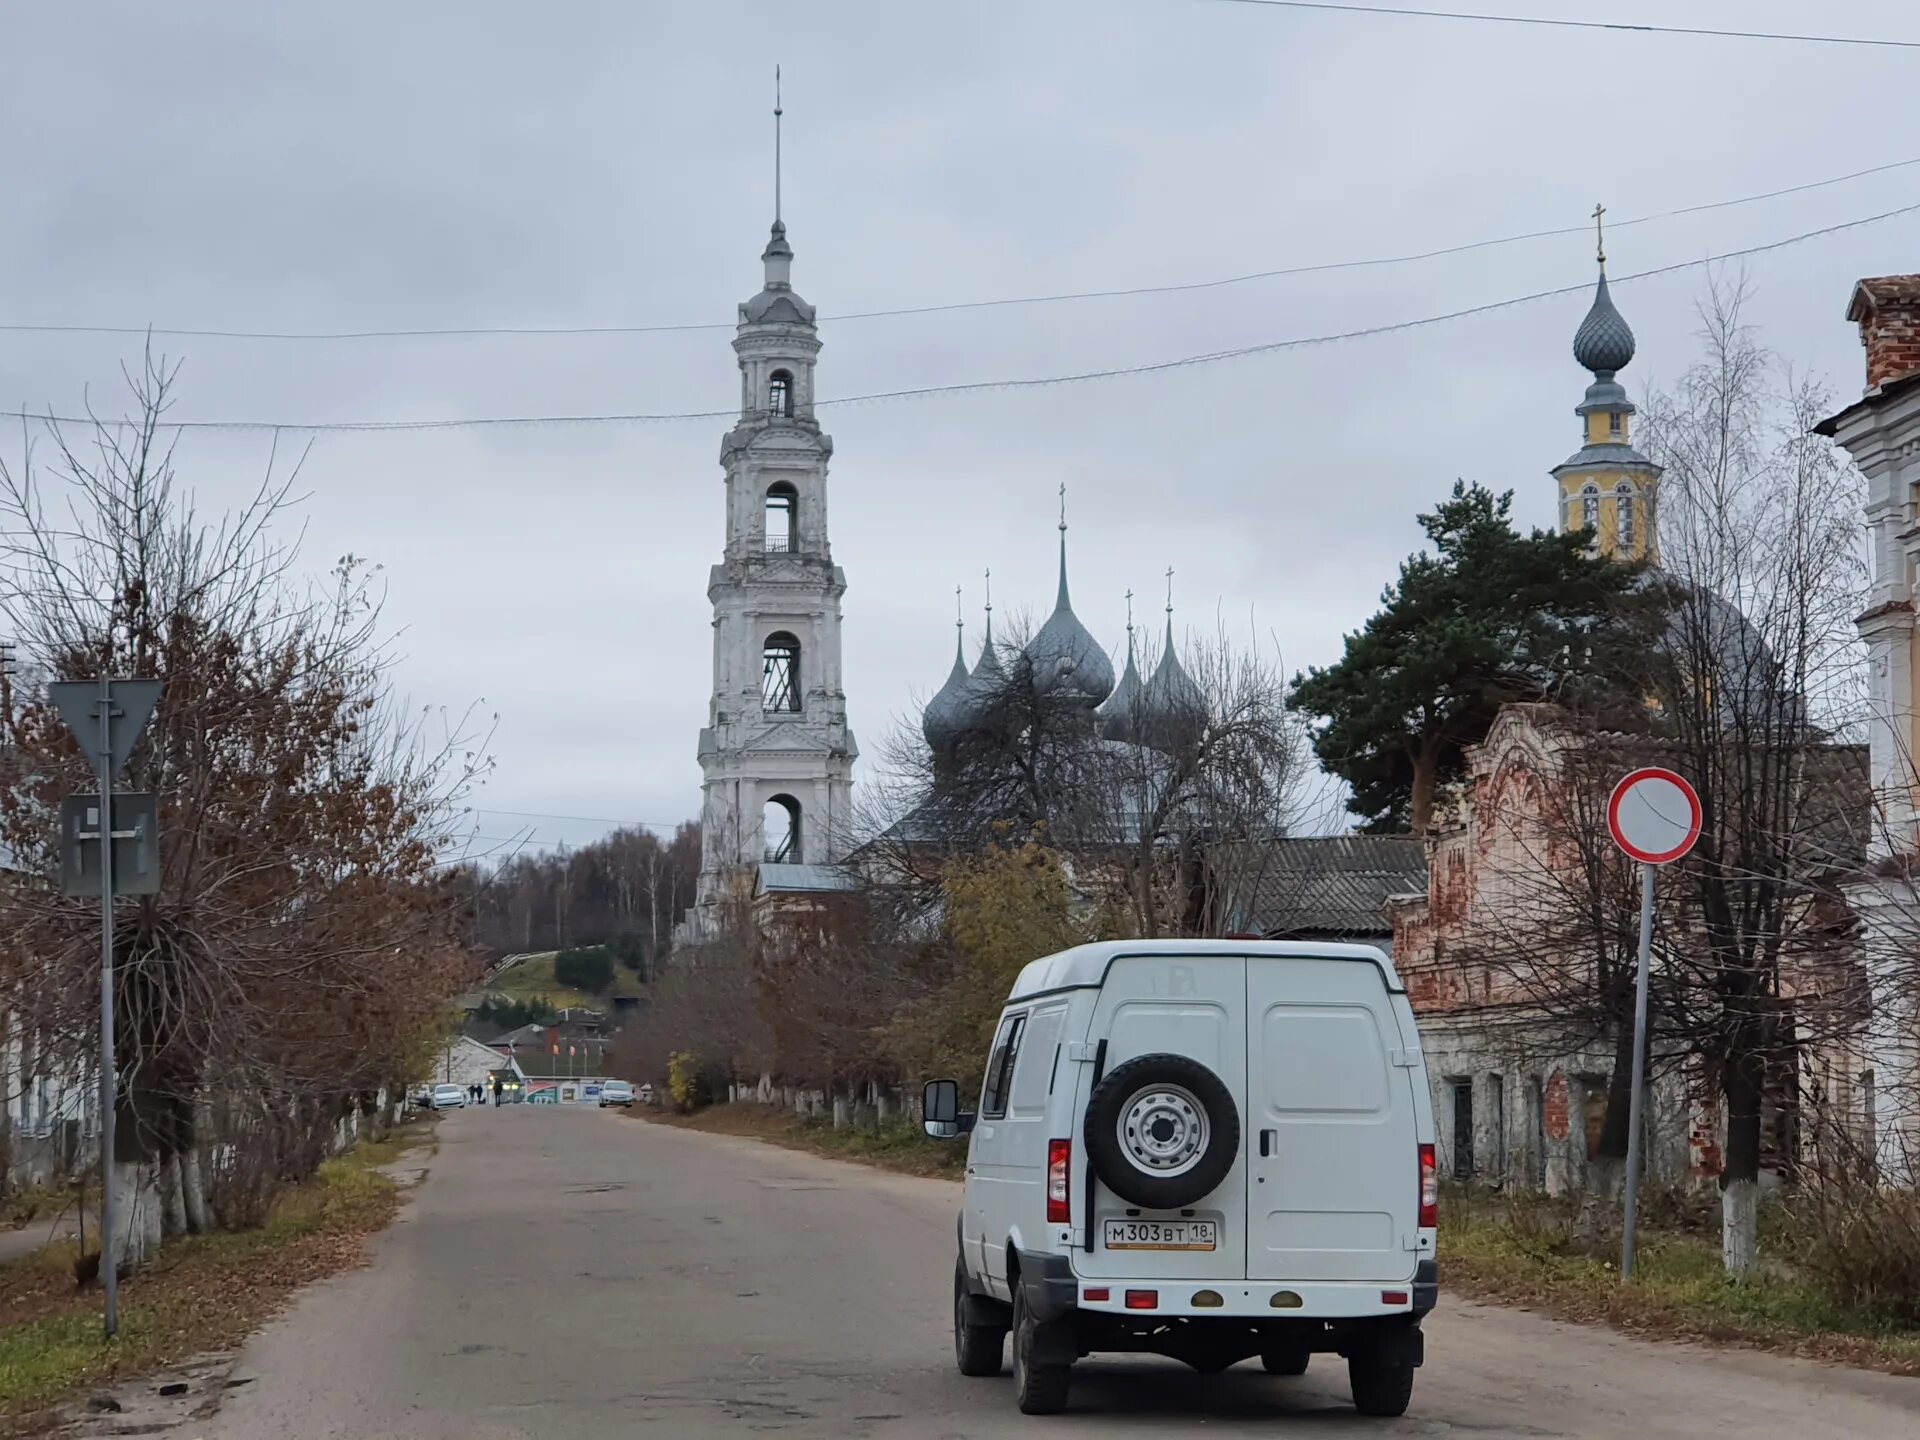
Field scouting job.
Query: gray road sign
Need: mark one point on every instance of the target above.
(136, 844)
(78, 702)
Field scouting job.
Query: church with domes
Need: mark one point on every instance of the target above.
(1065, 668)
(1500, 949)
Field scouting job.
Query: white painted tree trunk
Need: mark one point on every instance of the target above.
(842, 1116)
(173, 1200)
(137, 1231)
(1740, 1227)
(193, 1192)
(882, 1105)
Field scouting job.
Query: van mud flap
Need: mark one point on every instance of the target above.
(1049, 1284)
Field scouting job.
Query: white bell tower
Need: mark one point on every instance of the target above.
(776, 754)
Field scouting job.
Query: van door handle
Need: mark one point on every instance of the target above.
(1269, 1142)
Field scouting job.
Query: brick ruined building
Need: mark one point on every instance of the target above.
(1521, 1072)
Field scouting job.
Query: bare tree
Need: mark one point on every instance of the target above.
(301, 942)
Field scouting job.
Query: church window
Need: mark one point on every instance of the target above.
(780, 674)
(780, 830)
(780, 394)
(783, 509)
(1614, 421)
(1623, 516)
(1590, 506)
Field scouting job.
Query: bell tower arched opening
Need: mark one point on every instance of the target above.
(783, 518)
(780, 829)
(780, 674)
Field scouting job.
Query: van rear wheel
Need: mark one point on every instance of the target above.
(1040, 1387)
(1380, 1387)
(976, 1348)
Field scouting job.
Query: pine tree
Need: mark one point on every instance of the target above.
(1490, 617)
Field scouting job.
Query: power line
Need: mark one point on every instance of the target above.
(1175, 288)
(973, 386)
(1562, 24)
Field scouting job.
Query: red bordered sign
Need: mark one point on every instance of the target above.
(1654, 815)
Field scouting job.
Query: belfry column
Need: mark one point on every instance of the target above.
(776, 753)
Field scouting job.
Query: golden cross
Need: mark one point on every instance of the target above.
(1599, 232)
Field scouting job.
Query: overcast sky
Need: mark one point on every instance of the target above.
(363, 166)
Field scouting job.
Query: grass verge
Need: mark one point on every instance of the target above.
(198, 1294)
(1530, 1251)
(891, 1147)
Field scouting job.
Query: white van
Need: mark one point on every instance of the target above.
(1206, 1149)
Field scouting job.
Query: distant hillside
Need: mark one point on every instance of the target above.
(532, 975)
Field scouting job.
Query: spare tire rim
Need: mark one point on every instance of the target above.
(1164, 1129)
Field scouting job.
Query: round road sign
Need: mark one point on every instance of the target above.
(1654, 816)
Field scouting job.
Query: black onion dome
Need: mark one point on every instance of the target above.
(1117, 719)
(945, 716)
(985, 690)
(1067, 660)
(1171, 704)
(1604, 341)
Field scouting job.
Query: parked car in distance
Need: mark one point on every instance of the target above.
(449, 1097)
(616, 1092)
(422, 1095)
(1205, 1149)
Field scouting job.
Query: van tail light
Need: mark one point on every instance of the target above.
(1429, 1189)
(1059, 1167)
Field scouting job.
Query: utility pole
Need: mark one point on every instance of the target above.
(109, 1269)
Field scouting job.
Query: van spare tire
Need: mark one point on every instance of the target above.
(1162, 1131)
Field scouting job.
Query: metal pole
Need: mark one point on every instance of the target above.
(109, 1266)
(1638, 1105)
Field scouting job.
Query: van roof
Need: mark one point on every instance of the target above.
(1085, 966)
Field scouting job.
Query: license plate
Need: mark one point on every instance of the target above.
(1160, 1234)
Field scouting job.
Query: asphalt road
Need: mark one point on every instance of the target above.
(576, 1274)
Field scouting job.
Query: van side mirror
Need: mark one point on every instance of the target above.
(940, 1113)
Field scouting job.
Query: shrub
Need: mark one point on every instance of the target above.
(685, 1081)
(590, 970)
(1860, 1241)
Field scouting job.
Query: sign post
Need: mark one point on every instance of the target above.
(106, 717)
(1654, 817)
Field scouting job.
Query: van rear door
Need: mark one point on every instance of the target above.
(1188, 1005)
(1332, 1159)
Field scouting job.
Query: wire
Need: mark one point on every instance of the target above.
(1319, 268)
(1402, 11)
(974, 386)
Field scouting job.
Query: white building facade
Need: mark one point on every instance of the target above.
(776, 754)
(1882, 433)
